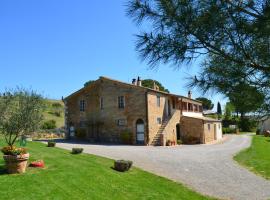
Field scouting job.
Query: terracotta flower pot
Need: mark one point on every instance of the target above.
(16, 164)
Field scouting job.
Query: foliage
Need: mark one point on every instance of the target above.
(80, 133)
(266, 133)
(88, 83)
(150, 84)
(122, 165)
(247, 124)
(206, 103)
(51, 144)
(231, 36)
(126, 137)
(229, 109)
(246, 98)
(57, 109)
(52, 112)
(72, 170)
(49, 124)
(77, 150)
(20, 113)
(57, 105)
(256, 157)
(14, 151)
(226, 130)
(219, 111)
(179, 142)
(168, 143)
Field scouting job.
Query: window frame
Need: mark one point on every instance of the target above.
(159, 120)
(121, 102)
(82, 105)
(158, 100)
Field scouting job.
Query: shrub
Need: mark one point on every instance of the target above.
(266, 133)
(248, 125)
(122, 165)
(258, 131)
(168, 143)
(80, 133)
(77, 150)
(228, 130)
(12, 150)
(179, 142)
(51, 144)
(57, 105)
(126, 137)
(49, 124)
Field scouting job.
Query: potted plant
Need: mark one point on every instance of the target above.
(168, 143)
(20, 114)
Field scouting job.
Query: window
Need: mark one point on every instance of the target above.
(159, 120)
(121, 122)
(82, 105)
(209, 127)
(121, 102)
(200, 109)
(158, 101)
(101, 103)
(218, 126)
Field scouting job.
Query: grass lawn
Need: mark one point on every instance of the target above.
(257, 157)
(85, 176)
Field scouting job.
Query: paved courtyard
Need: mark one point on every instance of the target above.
(208, 169)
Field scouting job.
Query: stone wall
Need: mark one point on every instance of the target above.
(191, 129)
(154, 112)
(212, 134)
(102, 124)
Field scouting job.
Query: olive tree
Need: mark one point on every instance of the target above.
(20, 113)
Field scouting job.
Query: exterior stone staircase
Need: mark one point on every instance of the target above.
(157, 138)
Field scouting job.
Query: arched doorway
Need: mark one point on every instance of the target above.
(178, 132)
(140, 131)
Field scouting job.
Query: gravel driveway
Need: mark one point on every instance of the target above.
(209, 169)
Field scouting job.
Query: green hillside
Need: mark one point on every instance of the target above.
(54, 110)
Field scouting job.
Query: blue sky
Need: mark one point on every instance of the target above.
(56, 46)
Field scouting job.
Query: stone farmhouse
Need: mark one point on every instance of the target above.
(108, 110)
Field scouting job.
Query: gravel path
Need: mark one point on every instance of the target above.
(208, 169)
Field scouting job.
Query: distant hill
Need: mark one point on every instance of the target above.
(54, 110)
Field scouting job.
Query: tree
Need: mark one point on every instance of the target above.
(206, 103)
(20, 113)
(150, 84)
(246, 98)
(232, 37)
(229, 109)
(219, 111)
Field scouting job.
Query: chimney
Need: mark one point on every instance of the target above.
(155, 86)
(134, 82)
(189, 94)
(139, 82)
